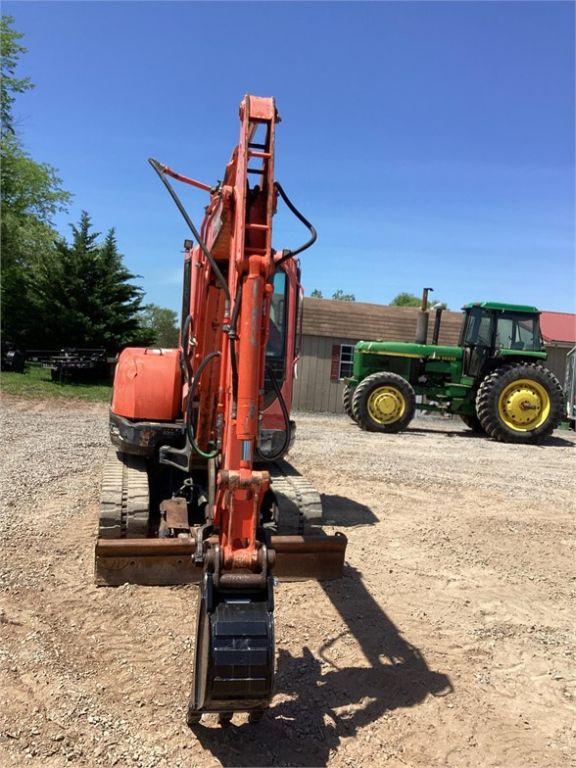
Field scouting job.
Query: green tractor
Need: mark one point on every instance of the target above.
(495, 379)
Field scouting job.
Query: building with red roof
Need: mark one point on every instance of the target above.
(559, 327)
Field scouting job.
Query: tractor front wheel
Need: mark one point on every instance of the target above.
(472, 422)
(347, 396)
(519, 403)
(383, 402)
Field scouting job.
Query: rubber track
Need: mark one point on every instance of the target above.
(299, 503)
(124, 498)
(487, 414)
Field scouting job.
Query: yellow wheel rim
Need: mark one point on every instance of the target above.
(386, 405)
(524, 405)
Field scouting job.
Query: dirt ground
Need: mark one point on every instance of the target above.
(449, 641)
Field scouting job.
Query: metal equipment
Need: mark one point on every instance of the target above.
(79, 365)
(494, 379)
(570, 389)
(197, 488)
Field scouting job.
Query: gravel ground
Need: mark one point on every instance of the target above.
(449, 641)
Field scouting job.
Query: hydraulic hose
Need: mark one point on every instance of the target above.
(215, 268)
(286, 416)
(185, 362)
(232, 336)
(288, 254)
(191, 392)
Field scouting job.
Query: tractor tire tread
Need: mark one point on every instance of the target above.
(472, 422)
(360, 401)
(347, 397)
(489, 390)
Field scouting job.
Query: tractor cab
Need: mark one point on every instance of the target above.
(492, 331)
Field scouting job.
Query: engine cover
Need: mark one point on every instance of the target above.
(147, 384)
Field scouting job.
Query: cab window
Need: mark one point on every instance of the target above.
(478, 328)
(516, 331)
(275, 349)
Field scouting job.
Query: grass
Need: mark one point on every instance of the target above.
(36, 383)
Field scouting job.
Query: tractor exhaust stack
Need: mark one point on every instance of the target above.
(423, 318)
(437, 322)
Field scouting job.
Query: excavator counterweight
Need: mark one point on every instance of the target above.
(197, 488)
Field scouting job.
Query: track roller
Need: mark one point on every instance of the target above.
(234, 655)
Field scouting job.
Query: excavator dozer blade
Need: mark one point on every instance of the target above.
(169, 561)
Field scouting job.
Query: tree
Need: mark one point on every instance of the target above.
(10, 84)
(409, 300)
(339, 295)
(31, 195)
(405, 300)
(162, 324)
(81, 295)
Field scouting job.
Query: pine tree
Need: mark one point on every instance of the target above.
(82, 295)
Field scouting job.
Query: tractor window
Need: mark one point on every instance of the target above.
(478, 328)
(516, 331)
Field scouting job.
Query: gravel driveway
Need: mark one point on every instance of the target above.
(449, 641)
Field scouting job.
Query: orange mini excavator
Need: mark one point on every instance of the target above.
(196, 488)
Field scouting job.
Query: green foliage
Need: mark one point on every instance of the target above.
(54, 294)
(405, 300)
(10, 84)
(37, 383)
(31, 195)
(162, 325)
(81, 295)
(410, 300)
(339, 295)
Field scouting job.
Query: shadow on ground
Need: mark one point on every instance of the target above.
(325, 700)
(553, 441)
(344, 512)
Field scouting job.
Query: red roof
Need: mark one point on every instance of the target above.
(558, 326)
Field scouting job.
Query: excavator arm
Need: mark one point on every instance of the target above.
(202, 408)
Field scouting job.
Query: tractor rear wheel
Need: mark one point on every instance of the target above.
(472, 422)
(383, 402)
(347, 396)
(519, 403)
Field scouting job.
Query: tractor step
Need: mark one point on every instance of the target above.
(169, 561)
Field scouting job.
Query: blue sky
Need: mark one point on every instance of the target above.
(430, 143)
